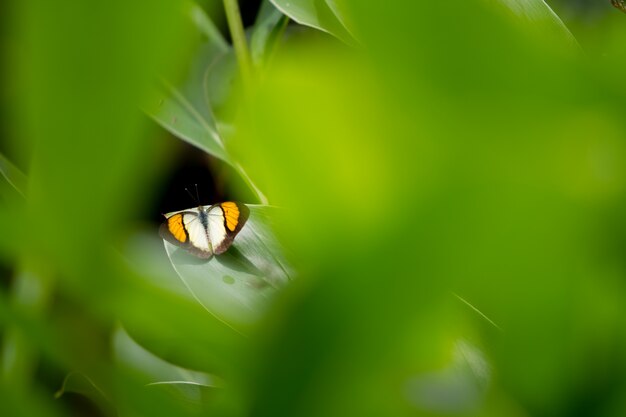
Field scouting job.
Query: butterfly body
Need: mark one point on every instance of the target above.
(206, 230)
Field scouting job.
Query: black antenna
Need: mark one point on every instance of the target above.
(197, 194)
(197, 201)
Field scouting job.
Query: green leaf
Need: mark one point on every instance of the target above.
(13, 175)
(186, 112)
(205, 25)
(220, 79)
(316, 14)
(338, 9)
(186, 384)
(266, 32)
(236, 286)
(177, 114)
(182, 108)
(79, 383)
(538, 12)
(178, 330)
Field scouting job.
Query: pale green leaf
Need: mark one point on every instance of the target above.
(206, 26)
(266, 32)
(236, 286)
(316, 14)
(180, 116)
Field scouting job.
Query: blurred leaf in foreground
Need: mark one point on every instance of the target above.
(461, 154)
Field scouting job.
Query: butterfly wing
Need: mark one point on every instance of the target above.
(225, 220)
(185, 229)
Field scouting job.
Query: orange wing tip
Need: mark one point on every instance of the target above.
(232, 214)
(176, 227)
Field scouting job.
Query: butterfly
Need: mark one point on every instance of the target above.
(206, 230)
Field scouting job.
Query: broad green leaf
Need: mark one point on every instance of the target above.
(178, 330)
(79, 383)
(314, 13)
(236, 286)
(266, 31)
(156, 373)
(143, 252)
(13, 175)
(177, 114)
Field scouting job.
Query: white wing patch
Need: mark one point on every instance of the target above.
(193, 210)
(197, 232)
(217, 231)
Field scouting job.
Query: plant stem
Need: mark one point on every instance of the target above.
(235, 25)
(238, 35)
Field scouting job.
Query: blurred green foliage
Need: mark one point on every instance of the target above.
(450, 176)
